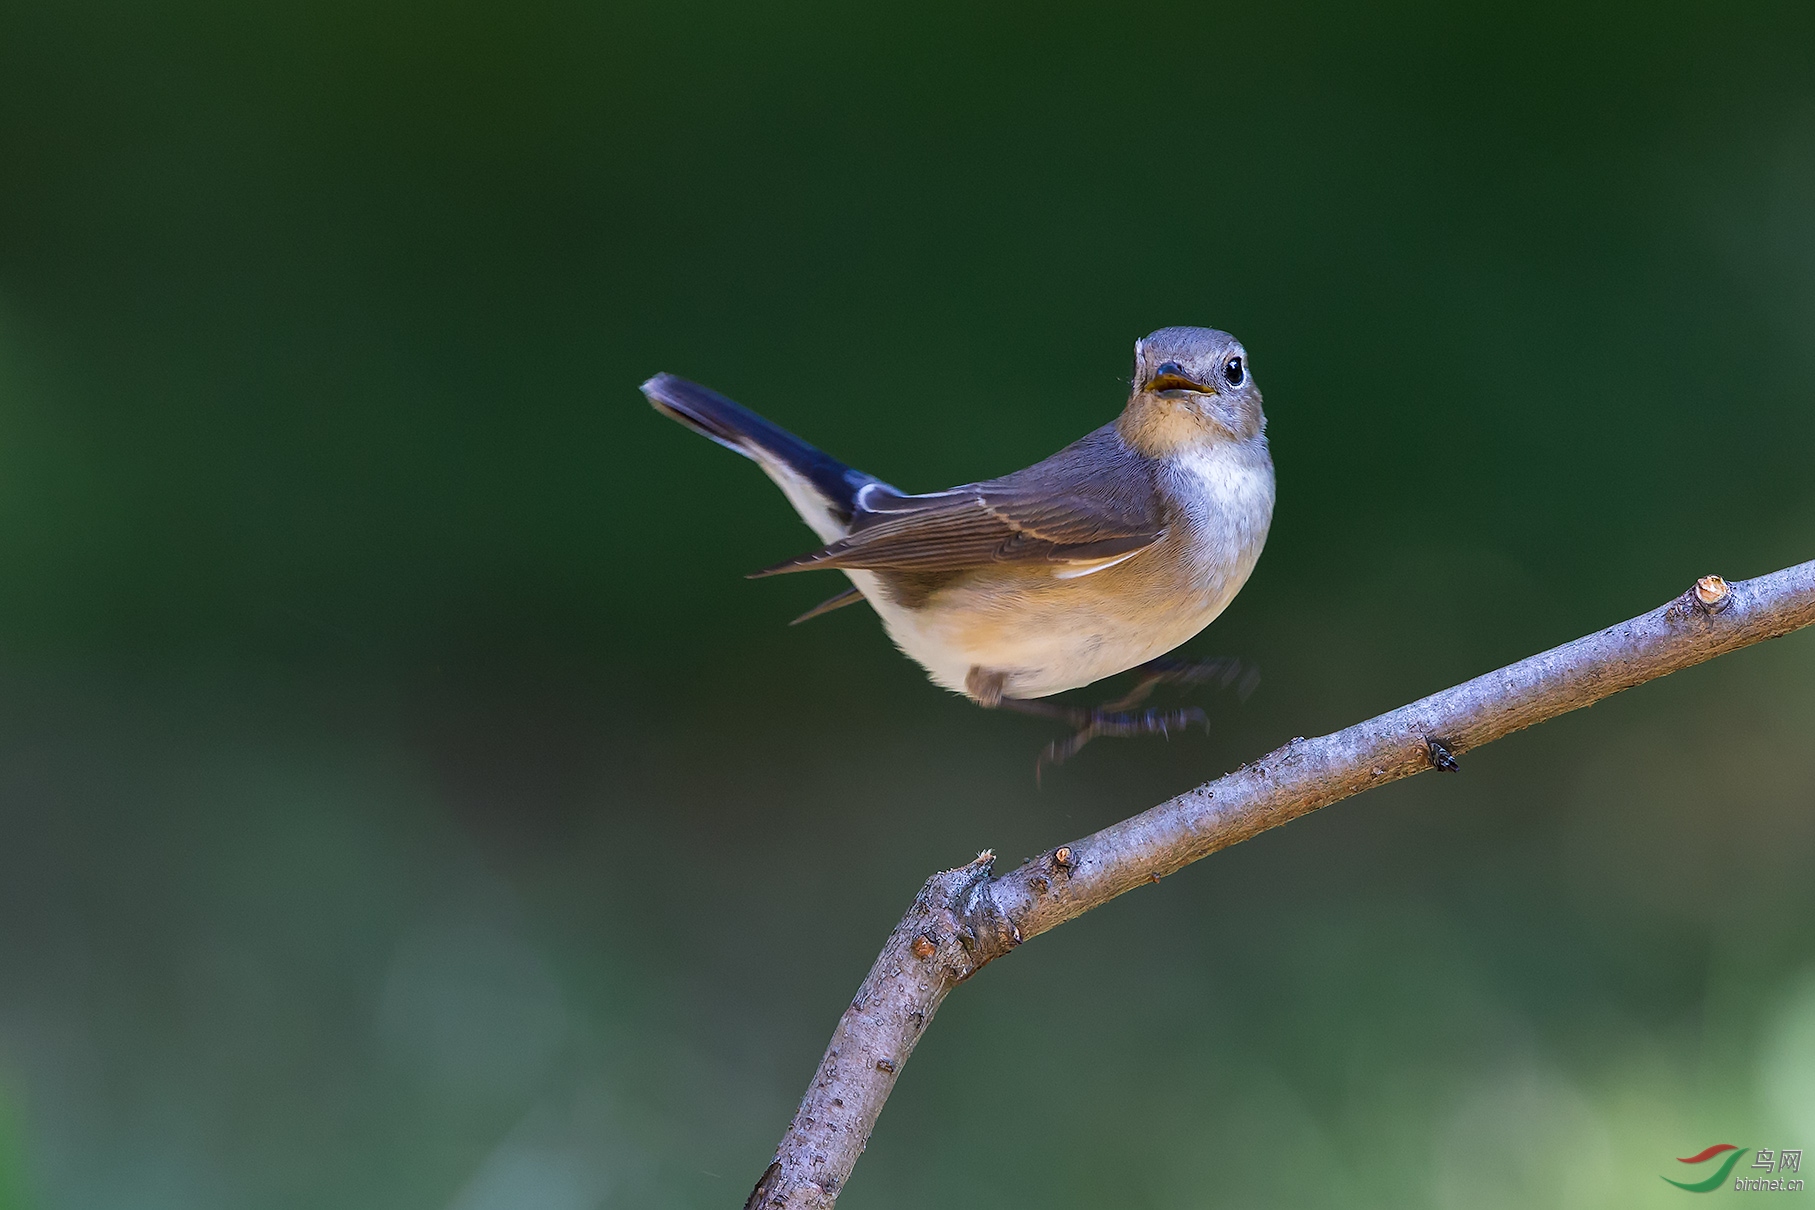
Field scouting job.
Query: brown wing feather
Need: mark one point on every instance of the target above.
(1093, 499)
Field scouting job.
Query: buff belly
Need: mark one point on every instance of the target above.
(1045, 634)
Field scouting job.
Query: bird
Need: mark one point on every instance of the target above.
(1098, 560)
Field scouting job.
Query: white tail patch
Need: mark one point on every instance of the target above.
(807, 500)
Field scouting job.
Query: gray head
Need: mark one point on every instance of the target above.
(1191, 385)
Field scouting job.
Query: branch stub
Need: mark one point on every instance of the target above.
(1713, 594)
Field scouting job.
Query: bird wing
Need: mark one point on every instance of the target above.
(1095, 500)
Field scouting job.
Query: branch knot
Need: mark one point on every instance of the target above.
(1712, 594)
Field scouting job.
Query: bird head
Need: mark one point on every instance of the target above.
(1191, 386)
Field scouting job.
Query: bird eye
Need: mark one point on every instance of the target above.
(1234, 371)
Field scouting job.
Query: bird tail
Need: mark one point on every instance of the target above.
(822, 489)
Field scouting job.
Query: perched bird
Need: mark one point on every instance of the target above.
(1099, 559)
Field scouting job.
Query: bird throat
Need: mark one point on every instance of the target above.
(1159, 427)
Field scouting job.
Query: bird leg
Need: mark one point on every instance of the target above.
(1090, 724)
(1119, 718)
(1169, 670)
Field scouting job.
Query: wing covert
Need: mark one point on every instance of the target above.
(1093, 500)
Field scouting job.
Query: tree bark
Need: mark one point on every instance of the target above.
(965, 918)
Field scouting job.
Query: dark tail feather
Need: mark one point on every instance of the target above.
(849, 596)
(736, 427)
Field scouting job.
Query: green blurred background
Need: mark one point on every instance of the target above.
(405, 803)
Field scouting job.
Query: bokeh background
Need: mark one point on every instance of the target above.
(404, 801)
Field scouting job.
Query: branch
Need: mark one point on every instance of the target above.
(965, 918)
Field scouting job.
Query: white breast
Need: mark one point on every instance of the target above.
(1226, 493)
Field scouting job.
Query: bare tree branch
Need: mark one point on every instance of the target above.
(965, 918)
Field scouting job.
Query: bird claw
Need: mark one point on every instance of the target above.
(1119, 719)
(1118, 725)
(1225, 671)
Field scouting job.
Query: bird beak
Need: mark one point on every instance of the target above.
(1170, 381)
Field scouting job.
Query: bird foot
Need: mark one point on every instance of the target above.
(1090, 724)
(1119, 719)
(1224, 671)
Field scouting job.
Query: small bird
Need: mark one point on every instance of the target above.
(1099, 559)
